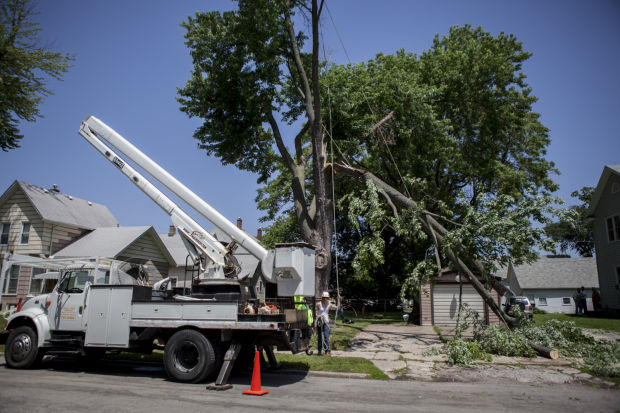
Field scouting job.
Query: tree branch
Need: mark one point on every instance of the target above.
(377, 125)
(431, 227)
(298, 143)
(286, 156)
(305, 85)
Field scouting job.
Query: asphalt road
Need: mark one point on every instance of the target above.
(129, 387)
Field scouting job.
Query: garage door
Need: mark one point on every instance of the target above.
(446, 302)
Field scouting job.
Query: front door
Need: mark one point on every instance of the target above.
(67, 301)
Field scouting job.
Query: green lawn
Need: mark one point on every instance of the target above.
(339, 364)
(609, 324)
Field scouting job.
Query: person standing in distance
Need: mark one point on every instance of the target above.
(322, 323)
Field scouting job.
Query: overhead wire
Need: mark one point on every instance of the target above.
(333, 182)
(369, 105)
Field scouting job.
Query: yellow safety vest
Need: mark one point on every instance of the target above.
(300, 305)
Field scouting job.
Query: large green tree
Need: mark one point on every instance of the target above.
(574, 229)
(451, 153)
(253, 82)
(22, 66)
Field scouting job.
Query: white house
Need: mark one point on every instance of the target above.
(551, 282)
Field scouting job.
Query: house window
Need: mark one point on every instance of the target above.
(36, 285)
(4, 233)
(542, 300)
(10, 282)
(565, 300)
(25, 237)
(613, 228)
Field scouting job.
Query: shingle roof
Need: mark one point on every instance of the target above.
(110, 242)
(554, 273)
(65, 209)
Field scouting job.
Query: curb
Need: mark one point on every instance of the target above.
(319, 373)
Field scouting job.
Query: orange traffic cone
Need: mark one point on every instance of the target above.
(255, 387)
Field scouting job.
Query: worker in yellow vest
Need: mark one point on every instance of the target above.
(300, 304)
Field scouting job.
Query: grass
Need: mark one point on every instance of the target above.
(338, 364)
(609, 324)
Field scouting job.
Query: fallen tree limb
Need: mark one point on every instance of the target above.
(437, 231)
(545, 352)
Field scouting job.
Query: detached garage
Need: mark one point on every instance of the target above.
(439, 301)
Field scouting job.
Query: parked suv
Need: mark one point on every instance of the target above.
(522, 302)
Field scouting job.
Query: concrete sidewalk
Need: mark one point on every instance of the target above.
(394, 348)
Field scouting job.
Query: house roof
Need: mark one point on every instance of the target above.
(110, 242)
(62, 208)
(558, 273)
(608, 171)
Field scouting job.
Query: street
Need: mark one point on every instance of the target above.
(64, 385)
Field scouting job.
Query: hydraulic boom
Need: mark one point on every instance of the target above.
(290, 266)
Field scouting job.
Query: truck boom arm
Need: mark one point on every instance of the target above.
(95, 128)
(290, 266)
(198, 238)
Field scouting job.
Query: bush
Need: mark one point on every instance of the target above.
(537, 310)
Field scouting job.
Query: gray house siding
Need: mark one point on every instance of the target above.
(608, 252)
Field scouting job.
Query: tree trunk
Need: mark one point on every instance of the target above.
(433, 229)
(545, 352)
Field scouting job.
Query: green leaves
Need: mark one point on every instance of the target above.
(573, 229)
(464, 144)
(22, 88)
(236, 82)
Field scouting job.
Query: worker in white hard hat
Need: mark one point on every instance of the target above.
(322, 322)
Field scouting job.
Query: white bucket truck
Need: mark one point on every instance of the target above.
(101, 304)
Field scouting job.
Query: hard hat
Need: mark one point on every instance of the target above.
(325, 294)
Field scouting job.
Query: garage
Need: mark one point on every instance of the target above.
(446, 302)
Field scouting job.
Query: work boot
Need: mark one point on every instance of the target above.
(328, 354)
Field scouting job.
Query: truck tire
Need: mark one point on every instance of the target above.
(189, 357)
(22, 348)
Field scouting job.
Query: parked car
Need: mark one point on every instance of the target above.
(522, 302)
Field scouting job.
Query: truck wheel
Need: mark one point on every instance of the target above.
(189, 356)
(22, 348)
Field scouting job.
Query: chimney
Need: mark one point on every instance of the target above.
(172, 230)
(239, 223)
(259, 234)
(55, 188)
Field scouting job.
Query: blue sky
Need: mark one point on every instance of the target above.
(131, 57)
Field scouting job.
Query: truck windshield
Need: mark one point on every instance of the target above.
(74, 282)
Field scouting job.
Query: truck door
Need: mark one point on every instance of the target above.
(67, 301)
